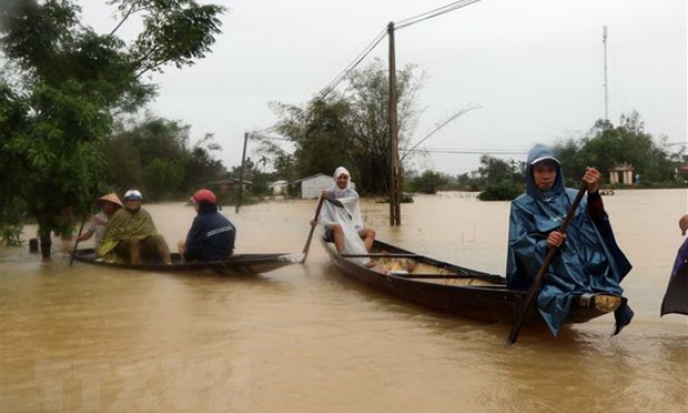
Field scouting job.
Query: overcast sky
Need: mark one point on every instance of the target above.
(535, 68)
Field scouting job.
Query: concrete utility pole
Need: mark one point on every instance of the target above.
(394, 184)
(241, 174)
(606, 95)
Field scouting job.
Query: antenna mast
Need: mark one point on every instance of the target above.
(606, 94)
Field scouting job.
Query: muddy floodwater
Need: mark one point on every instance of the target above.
(305, 338)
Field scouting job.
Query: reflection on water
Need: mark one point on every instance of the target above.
(306, 338)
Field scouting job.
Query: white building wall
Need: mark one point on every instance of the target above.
(279, 187)
(313, 187)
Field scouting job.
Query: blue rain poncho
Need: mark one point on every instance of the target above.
(589, 261)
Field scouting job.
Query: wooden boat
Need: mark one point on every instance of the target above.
(453, 289)
(237, 263)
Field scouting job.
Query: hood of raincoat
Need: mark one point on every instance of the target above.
(337, 172)
(540, 153)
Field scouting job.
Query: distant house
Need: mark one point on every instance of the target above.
(227, 185)
(278, 187)
(312, 186)
(224, 187)
(621, 173)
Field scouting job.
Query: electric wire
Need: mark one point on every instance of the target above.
(337, 80)
(377, 39)
(467, 151)
(433, 13)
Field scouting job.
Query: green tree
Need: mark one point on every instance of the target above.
(607, 145)
(202, 167)
(494, 170)
(351, 128)
(64, 82)
(154, 155)
(162, 178)
(429, 182)
(502, 180)
(320, 134)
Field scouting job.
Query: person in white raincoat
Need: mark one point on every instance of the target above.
(341, 217)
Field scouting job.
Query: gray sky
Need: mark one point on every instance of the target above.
(534, 67)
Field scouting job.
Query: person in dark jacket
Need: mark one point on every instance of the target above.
(212, 235)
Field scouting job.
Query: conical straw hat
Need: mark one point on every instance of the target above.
(111, 197)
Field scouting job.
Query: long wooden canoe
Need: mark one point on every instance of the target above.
(237, 263)
(451, 288)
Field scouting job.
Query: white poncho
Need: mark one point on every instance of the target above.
(348, 215)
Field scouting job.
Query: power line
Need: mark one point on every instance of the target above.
(433, 13)
(337, 80)
(399, 25)
(266, 130)
(468, 151)
(267, 138)
(377, 39)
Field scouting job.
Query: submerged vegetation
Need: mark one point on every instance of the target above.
(604, 147)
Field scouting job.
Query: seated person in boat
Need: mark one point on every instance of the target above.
(589, 259)
(131, 235)
(341, 216)
(109, 204)
(212, 235)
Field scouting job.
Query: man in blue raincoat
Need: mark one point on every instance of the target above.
(588, 260)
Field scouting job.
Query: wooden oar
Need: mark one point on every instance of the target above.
(76, 243)
(310, 235)
(534, 290)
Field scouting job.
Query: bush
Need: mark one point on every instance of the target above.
(502, 191)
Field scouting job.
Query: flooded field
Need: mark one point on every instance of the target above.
(305, 338)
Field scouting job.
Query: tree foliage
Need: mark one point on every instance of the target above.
(155, 156)
(429, 182)
(605, 146)
(350, 128)
(65, 82)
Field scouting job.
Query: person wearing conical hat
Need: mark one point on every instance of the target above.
(109, 204)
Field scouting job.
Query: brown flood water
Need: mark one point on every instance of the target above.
(306, 339)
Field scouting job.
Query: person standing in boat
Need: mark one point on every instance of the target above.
(109, 204)
(588, 261)
(131, 235)
(683, 224)
(341, 216)
(212, 235)
(676, 296)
